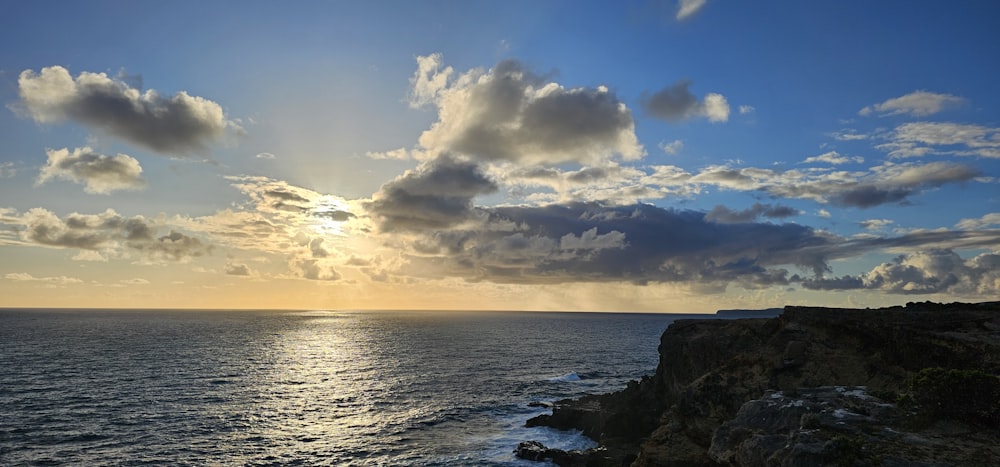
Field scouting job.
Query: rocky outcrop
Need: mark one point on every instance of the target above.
(718, 380)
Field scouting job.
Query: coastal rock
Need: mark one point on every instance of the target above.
(713, 400)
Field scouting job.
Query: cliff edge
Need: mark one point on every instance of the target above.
(914, 385)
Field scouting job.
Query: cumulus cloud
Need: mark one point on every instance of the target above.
(98, 173)
(687, 8)
(925, 272)
(238, 269)
(676, 102)
(916, 104)
(917, 139)
(835, 158)
(510, 114)
(177, 125)
(438, 194)
(109, 233)
(724, 215)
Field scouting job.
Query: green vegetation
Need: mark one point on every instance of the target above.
(971, 396)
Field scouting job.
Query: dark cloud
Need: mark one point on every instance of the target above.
(314, 269)
(724, 215)
(638, 243)
(107, 233)
(676, 102)
(436, 195)
(178, 125)
(511, 114)
(672, 103)
(174, 246)
(98, 173)
(335, 215)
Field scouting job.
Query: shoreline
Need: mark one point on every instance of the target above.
(712, 372)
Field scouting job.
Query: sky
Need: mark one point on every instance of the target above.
(662, 156)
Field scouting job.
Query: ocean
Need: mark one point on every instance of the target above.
(161, 387)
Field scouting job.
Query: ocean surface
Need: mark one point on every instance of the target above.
(155, 387)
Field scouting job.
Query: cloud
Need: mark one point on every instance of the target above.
(917, 139)
(429, 81)
(438, 194)
(238, 269)
(823, 213)
(672, 147)
(54, 280)
(594, 242)
(938, 270)
(835, 158)
(314, 269)
(886, 183)
(676, 102)
(510, 114)
(988, 220)
(723, 215)
(98, 173)
(177, 125)
(109, 233)
(7, 170)
(915, 104)
(747, 109)
(687, 8)
(266, 155)
(875, 224)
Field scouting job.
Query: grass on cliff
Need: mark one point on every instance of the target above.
(970, 396)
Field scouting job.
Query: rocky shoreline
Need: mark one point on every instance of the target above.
(914, 385)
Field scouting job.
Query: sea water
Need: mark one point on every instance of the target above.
(161, 387)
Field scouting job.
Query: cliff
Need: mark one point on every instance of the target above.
(914, 385)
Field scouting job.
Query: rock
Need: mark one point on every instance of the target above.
(764, 391)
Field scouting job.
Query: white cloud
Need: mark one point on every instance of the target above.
(98, 173)
(400, 154)
(266, 155)
(510, 114)
(672, 147)
(988, 220)
(687, 8)
(921, 138)
(715, 107)
(916, 104)
(835, 158)
(429, 81)
(823, 213)
(747, 109)
(875, 224)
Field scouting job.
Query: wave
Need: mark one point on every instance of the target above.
(571, 376)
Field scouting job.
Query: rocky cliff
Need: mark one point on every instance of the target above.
(914, 385)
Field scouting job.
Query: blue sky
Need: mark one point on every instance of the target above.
(621, 156)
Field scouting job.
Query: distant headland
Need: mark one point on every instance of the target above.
(906, 385)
